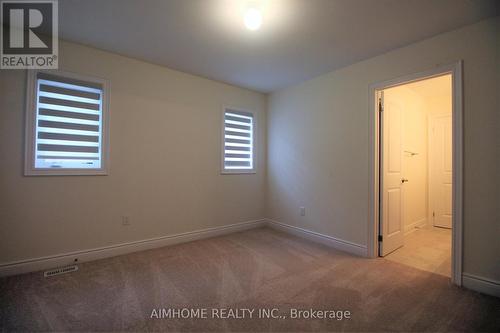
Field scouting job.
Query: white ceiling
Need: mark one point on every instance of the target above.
(298, 40)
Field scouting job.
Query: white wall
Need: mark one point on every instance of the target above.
(438, 105)
(165, 162)
(318, 144)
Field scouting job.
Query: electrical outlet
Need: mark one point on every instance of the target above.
(302, 211)
(125, 221)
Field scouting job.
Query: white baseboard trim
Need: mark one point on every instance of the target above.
(42, 263)
(340, 244)
(473, 282)
(480, 284)
(412, 227)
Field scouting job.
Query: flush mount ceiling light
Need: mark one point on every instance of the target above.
(252, 19)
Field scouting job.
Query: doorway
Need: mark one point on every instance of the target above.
(416, 174)
(417, 170)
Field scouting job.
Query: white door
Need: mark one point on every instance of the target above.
(391, 171)
(440, 170)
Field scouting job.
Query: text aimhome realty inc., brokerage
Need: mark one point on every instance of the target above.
(248, 313)
(29, 34)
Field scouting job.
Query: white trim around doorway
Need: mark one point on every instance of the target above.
(455, 69)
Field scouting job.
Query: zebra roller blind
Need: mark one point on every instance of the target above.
(238, 140)
(68, 122)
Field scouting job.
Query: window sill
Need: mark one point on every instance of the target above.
(238, 172)
(68, 172)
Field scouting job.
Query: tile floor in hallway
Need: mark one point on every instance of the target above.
(427, 248)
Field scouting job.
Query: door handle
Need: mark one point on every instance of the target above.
(404, 180)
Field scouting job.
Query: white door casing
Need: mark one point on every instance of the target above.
(392, 228)
(375, 167)
(440, 170)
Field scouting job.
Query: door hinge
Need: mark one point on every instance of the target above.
(380, 106)
(380, 238)
(433, 214)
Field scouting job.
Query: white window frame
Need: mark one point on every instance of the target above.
(30, 127)
(253, 170)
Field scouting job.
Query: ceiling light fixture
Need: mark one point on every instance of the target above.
(252, 19)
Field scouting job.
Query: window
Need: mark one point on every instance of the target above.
(66, 125)
(238, 142)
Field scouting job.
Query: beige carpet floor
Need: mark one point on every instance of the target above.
(427, 248)
(260, 268)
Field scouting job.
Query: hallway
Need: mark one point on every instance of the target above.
(427, 248)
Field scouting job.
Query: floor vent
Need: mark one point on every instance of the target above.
(60, 270)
